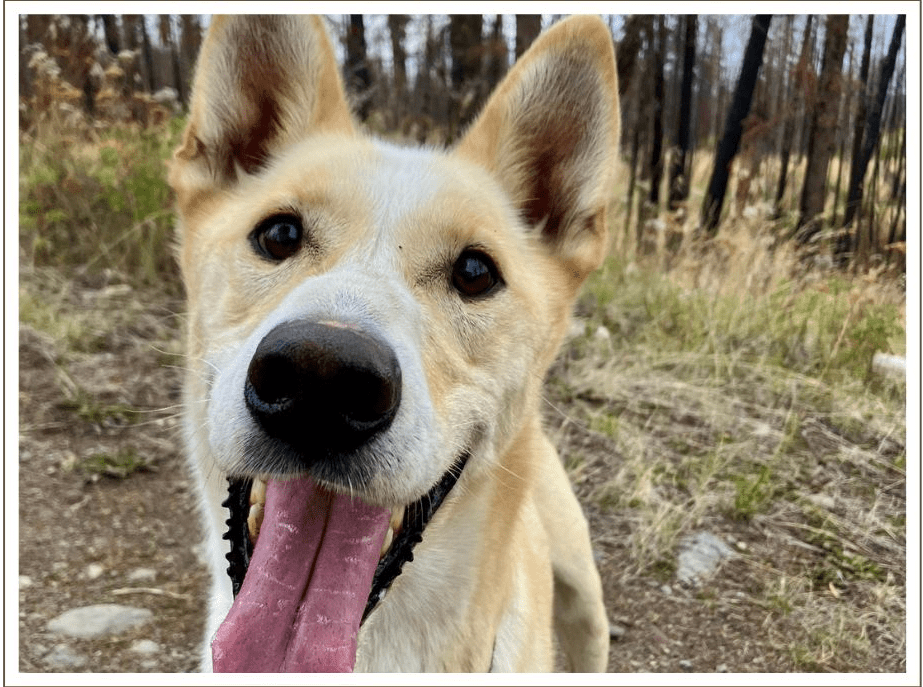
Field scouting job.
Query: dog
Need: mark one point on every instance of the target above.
(369, 326)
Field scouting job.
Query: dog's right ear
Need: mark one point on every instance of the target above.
(261, 82)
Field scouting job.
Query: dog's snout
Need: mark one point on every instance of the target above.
(323, 388)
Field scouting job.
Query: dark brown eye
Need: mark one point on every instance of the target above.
(475, 274)
(278, 237)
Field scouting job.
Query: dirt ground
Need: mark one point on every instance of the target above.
(87, 522)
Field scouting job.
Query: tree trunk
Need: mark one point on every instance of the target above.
(822, 134)
(628, 49)
(845, 243)
(528, 26)
(358, 75)
(497, 58)
(796, 95)
(397, 29)
(656, 160)
(733, 127)
(111, 33)
(632, 179)
(466, 53)
(873, 123)
(842, 125)
(147, 55)
(680, 166)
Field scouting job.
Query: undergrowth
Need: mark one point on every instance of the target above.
(733, 392)
(97, 199)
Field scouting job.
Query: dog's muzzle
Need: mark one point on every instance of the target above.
(321, 393)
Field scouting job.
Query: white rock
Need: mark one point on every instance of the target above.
(94, 571)
(25, 581)
(145, 646)
(142, 575)
(99, 620)
(62, 656)
(699, 556)
(822, 501)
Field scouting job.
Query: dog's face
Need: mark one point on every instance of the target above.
(419, 251)
(369, 316)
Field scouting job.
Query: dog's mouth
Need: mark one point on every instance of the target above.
(307, 567)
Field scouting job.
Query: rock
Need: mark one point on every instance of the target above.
(62, 656)
(822, 501)
(602, 334)
(685, 665)
(723, 668)
(616, 631)
(145, 646)
(699, 556)
(666, 589)
(25, 581)
(142, 575)
(94, 571)
(99, 620)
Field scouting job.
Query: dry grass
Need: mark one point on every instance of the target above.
(726, 386)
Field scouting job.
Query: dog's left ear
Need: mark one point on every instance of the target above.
(550, 135)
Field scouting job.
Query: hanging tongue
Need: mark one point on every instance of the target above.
(302, 600)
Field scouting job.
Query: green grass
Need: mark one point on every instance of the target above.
(120, 465)
(99, 205)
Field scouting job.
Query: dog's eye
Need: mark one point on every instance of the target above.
(278, 237)
(475, 274)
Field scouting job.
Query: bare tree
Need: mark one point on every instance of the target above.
(466, 54)
(656, 160)
(796, 96)
(497, 56)
(629, 48)
(822, 133)
(111, 33)
(358, 75)
(733, 127)
(528, 26)
(873, 123)
(681, 159)
(397, 28)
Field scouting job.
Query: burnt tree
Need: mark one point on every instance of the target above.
(528, 26)
(358, 74)
(656, 159)
(680, 162)
(733, 126)
(397, 29)
(466, 52)
(873, 124)
(822, 132)
(796, 94)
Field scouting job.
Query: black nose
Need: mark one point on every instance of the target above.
(322, 388)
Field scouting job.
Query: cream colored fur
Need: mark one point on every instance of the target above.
(507, 557)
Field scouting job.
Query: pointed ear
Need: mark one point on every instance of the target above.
(261, 82)
(550, 136)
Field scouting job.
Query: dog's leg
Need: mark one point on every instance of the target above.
(580, 617)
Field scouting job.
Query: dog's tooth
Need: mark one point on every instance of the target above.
(397, 518)
(389, 537)
(258, 491)
(255, 521)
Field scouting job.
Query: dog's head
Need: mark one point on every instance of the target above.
(368, 317)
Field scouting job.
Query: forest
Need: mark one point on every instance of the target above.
(801, 118)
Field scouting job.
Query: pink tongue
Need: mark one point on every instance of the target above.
(302, 600)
